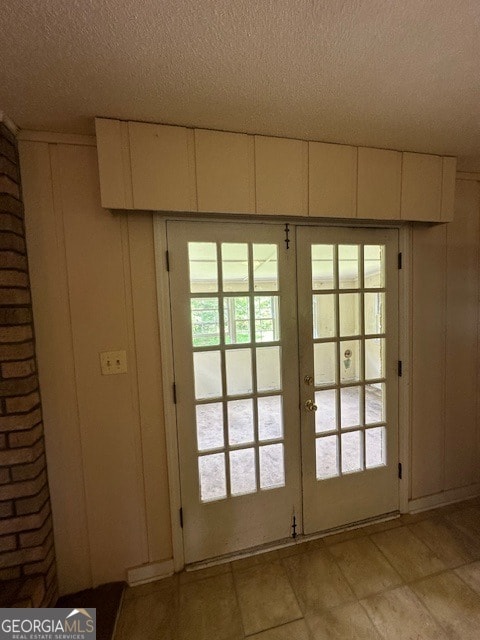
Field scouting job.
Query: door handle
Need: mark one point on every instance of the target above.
(309, 406)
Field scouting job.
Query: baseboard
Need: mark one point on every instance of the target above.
(444, 498)
(468, 175)
(149, 572)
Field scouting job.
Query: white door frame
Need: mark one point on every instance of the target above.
(168, 375)
(405, 329)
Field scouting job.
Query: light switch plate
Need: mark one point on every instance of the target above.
(112, 362)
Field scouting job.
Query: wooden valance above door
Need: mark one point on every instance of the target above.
(158, 167)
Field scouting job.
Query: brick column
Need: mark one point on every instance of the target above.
(27, 554)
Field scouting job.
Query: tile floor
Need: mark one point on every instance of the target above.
(413, 578)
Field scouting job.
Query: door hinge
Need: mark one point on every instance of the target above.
(400, 470)
(167, 260)
(400, 258)
(287, 238)
(400, 368)
(174, 393)
(181, 516)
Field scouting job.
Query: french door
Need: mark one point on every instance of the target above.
(285, 354)
(348, 350)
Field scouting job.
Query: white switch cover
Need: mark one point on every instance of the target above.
(112, 362)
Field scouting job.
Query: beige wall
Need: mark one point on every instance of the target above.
(93, 283)
(445, 356)
(93, 287)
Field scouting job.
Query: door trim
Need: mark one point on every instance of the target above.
(405, 355)
(168, 378)
(166, 345)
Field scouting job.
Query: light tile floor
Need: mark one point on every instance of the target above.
(413, 578)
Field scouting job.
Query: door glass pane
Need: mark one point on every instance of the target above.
(209, 426)
(374, 358)
(350, 364)
(270, 418)
(205, 322)
(324, 363)
(272, 472)
(350, 406)
(351, 451)
(324, 316)
(266, 319)
(348, 272)
(237, 319)
(242, 472)
(265, 267)
(238, 364)
(235, 266)
(374, 313)
(207, 373)
(326, 450)
(213, 484)
(322, 266)
(375, 447)
(268, 369)
(232, 381)
(349, 307)
(202, 260)
(326, 414)
(240, 421)
(374, 265)
(375, 403)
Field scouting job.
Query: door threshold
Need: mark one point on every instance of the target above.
(288, 542)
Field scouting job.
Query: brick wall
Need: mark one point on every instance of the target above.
(27, 554)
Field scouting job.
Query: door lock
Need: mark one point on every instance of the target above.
(309, 406)
(308, 380)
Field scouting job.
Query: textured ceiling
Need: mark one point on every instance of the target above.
(390, 73)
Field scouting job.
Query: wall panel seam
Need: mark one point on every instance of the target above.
(444, 360)
(477, 425)
(58, 211)
(134, 384)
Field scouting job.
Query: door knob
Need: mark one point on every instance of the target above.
(309, 406)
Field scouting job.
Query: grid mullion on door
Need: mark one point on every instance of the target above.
(223, 367)
(251, 294)
(336, 280)
(225, 397)
(362, 353)
(360, 382)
